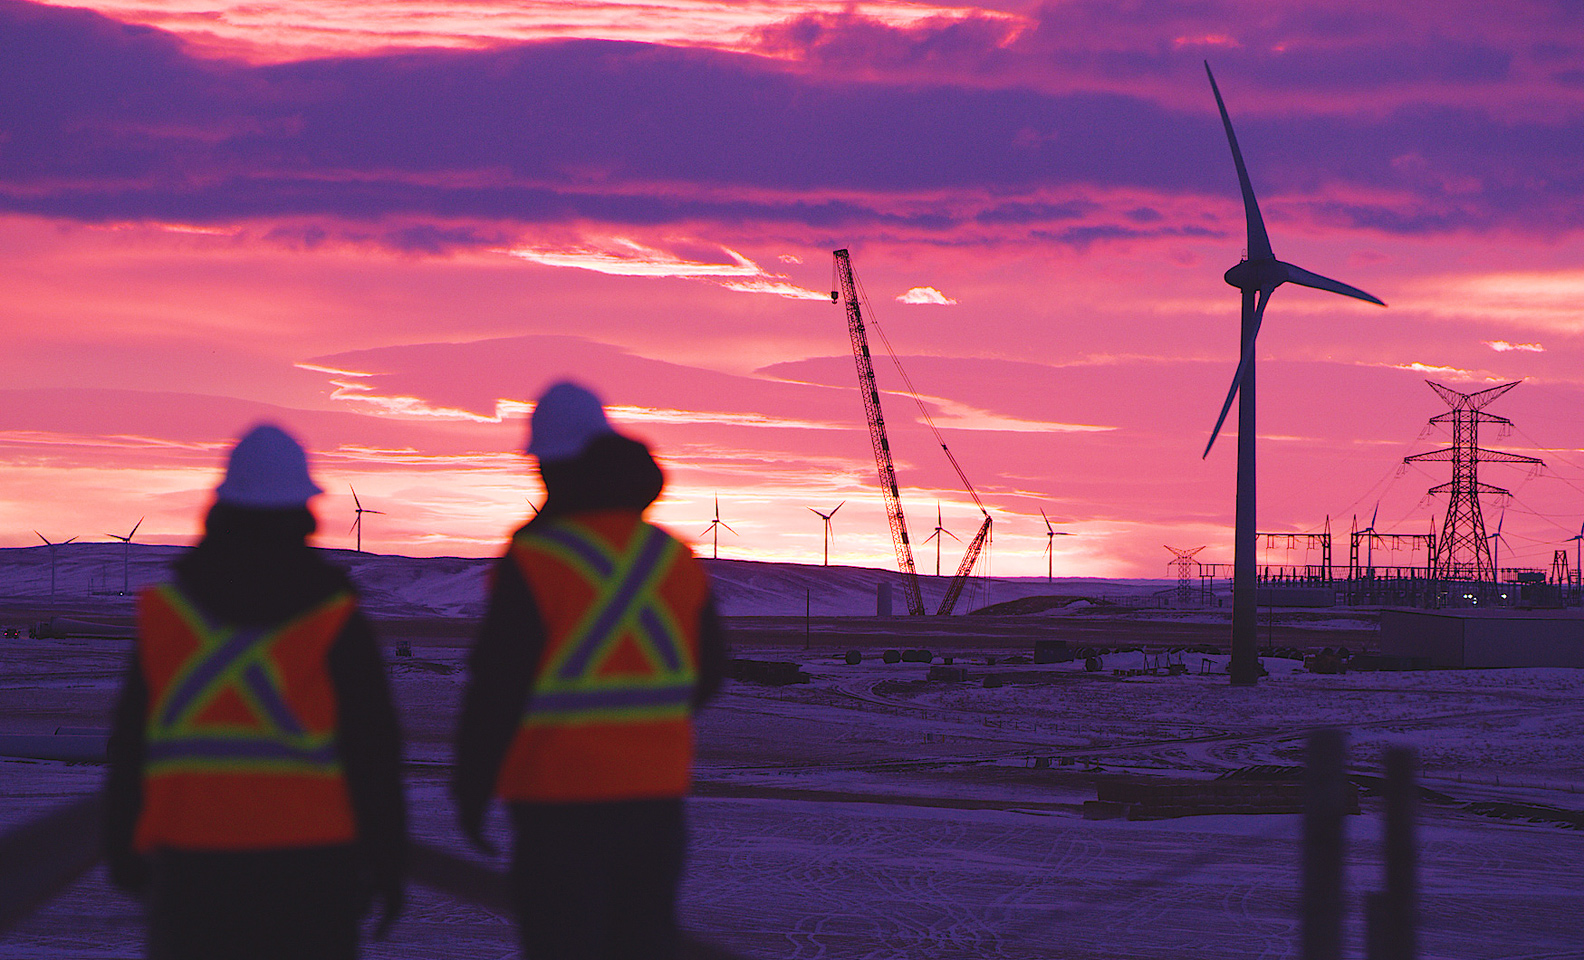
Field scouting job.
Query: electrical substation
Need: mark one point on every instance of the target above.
(1454, 563)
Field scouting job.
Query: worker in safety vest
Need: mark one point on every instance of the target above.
(254, 796)
(599, 643)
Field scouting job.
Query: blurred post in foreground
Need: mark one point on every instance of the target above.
(1393, 913)
(1324, 807)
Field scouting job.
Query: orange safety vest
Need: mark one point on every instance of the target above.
(609, 715)
(240, 730)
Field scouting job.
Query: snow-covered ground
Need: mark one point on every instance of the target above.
(874, 813)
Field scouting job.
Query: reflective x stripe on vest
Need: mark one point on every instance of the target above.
(232, 660)
(627, 608)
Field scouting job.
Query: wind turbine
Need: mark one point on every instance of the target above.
(1370, 542)
(1257, 276)
(126, 553)
(357, 522)
(823, 516)
(1496, 541)
(717, 523)
(936, 536)
(1578, 547)
(1051, 534)
(52, 547)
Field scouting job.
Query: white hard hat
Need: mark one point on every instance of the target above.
(566, 419)
(267, 471)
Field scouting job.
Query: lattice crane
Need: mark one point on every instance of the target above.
(883, 463)
(877, 434)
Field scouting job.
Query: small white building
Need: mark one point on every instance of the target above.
(1485, 638)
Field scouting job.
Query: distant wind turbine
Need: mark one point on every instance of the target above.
(1257, 276)
(52, 547)
(1496, 543)
(126, 554)
(936, 536)
(1051, 533)
(823, 516)
(714, 529)
(1370, 542)
(1578, 548)
(357, 522)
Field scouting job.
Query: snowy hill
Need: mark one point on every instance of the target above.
(92, 574)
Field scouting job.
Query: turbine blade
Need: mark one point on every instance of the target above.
(952, 535)
(1243, 364)
(68, 540)
(355, 523)
(728, 527)
(380, 512)
(818, 514)
(1048, 527)
(1259, 247)
(44, 538)
(838, 507)
(1373, 515)
(135, 527)
(355, 501)
(1304, 278)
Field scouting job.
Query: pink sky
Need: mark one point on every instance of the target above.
(388, 226)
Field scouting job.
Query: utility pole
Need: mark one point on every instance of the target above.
(1464, 550)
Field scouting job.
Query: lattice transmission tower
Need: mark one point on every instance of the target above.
(1184, 561)
(1464, 550)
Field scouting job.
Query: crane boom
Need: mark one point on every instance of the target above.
(965, 569)
(877, 436)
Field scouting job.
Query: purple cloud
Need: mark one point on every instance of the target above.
(438, 149)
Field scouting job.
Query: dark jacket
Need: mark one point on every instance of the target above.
(614, 473)
(254, 567)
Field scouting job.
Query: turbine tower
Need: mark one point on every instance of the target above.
(357, 522)
(1051, 534)
(126, 554)
(823, 516)
(714, 529)
(936, 536)
(52, 547)
(1257, 276)
(1465, 552)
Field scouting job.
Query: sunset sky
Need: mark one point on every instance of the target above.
(388, 225)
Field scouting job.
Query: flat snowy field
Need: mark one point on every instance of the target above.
(871, 813)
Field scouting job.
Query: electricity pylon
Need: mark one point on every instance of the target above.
(1465, 552)
(1183, 560)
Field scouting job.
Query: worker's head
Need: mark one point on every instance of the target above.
(566, 419)
(584, 462)
(267, 471)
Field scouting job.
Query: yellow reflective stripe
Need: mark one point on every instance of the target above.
(627, 606)
(214, 743)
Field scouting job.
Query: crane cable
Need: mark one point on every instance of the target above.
(863, 299)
